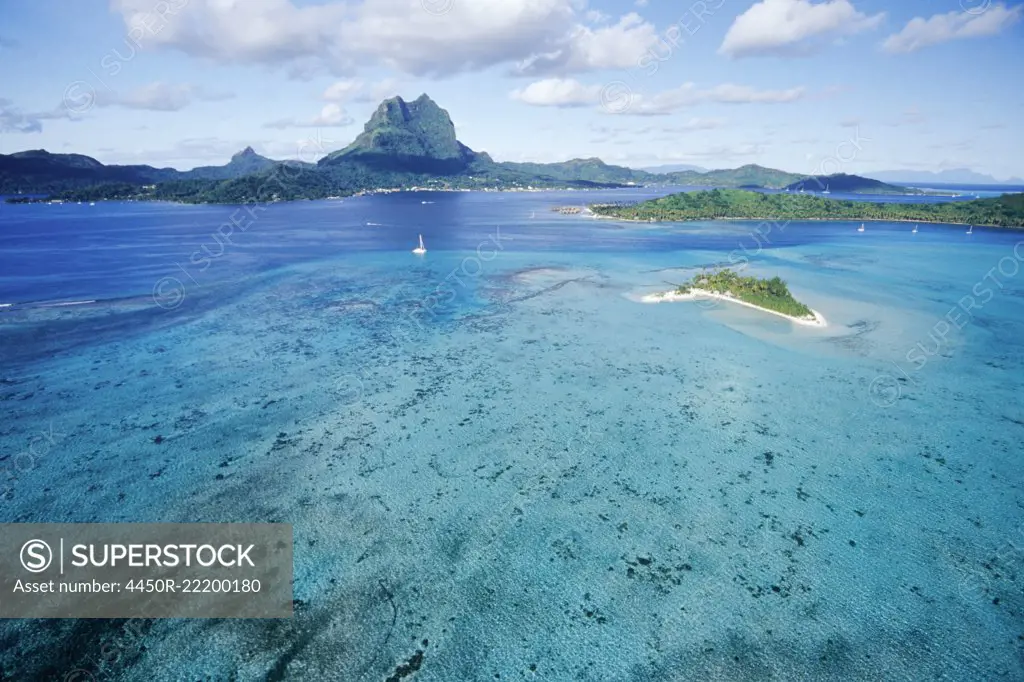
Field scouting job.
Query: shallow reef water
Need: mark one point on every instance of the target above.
(519, 471)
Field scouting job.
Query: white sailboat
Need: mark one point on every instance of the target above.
(826, 190)
(861, 228)
(970, 230)
(420, 250)
(915, 229)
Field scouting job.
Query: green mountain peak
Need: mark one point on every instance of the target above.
(417, 136)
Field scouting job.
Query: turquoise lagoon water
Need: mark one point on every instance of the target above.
(500, 465)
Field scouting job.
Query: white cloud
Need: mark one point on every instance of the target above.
(160, 97)
(689, 94)
(568, 92)
(942, 28)
(342, 90)
(550, 36)
(619, 46)
(15, 120)
(558, 92)
(331, 116)
(381, 90)
(784, 27)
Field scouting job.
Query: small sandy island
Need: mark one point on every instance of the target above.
(818, 320)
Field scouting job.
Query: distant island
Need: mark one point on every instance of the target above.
(852, 184)
(724, 204)
(769, 295)
(954, 176)
(404, 145)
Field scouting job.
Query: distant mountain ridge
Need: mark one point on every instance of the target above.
(243, 163)
(592, 170)
(956, 176)
(751, 175)
(39, 171)
(842, 182)
(403, 144)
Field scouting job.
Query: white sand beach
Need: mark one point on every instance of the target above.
(667, 297)
(673, 296)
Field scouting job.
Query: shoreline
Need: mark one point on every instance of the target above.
(674, 296)
(47, 199)
(804, 220)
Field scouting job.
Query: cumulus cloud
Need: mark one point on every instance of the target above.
(343, 90)
(331, 116)
(558, 92)
(786, 27)
(618, 46)
(689, 94)
(942, 28)
(541, 35)
(352, 90)
(568, 92)
(160, 97)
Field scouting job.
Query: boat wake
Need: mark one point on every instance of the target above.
(60, 304)
(27, 305)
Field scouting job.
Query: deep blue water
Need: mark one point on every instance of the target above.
(72, 252)
(499, 449)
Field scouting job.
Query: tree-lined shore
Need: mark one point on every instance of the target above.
(722, 204)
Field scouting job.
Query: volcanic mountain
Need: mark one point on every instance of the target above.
(415, 137)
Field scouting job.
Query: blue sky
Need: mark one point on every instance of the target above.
(808, 86)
